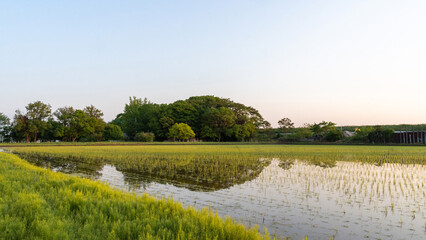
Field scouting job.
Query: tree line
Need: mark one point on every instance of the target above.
(38, 122)
(204, 118)
(328, 132)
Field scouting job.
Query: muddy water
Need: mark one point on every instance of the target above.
(348, 201)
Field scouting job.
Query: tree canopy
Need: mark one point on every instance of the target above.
(286, 125)
(211, 118)
(66, 123)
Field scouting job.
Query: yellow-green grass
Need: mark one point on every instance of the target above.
(37, 203)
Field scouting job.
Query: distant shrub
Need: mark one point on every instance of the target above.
(181, 131)
(300, 134)
(333, 135)
(144, 137)
(113, 132)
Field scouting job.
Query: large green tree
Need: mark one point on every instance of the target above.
(80, 125)
(21, 126)
(33, 123)
(38, 113)
(64, 117)
(95, 118)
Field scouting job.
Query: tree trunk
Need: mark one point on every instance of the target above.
(35, 137)
(28, 138)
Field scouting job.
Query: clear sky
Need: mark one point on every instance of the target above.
(350, 62)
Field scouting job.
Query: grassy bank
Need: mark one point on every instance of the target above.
(36, 203)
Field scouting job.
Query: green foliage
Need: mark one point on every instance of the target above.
(33, 123)
(399, 127)
(333, 135)
(376, 134)
(37, 114)
(243, 132)
(95, 120)
(266, 133)
(326, 131)
(286, 125)
(36, 203)
(322, 128)
(73, 125)
(139, 116)
(113, 132)
(21, 126)
(211, 118)
(361, 134)
(380, 135)
(144, 137)
(298, 135)
(80, 125)
(181, 131)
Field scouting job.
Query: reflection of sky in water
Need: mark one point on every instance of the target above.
(349, 201)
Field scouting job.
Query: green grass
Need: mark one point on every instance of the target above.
(36, 203)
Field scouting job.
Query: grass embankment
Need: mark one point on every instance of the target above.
(36, 203)
(217, 166)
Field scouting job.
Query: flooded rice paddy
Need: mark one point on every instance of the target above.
(348, 201)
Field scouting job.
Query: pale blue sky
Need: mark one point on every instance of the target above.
(350, 62)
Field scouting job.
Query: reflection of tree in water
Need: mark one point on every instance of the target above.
(193, 176)
(287, 164)
(65, 165)
(138, 179)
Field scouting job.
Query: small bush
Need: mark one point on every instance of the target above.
(144, 137)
